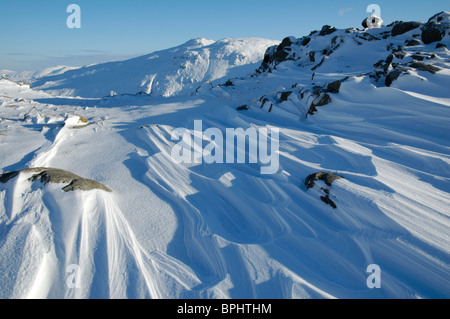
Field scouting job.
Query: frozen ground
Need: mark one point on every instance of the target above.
(224, 230)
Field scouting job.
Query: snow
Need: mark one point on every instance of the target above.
(173, 230)
(166, 73)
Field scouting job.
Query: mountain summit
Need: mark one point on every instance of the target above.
(170, 72)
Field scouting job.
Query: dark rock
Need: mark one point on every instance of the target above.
(439, 17)
(318, 65)
(280, 56)
(389, 59)
(287, 42)
(326, 199)
(418, 57)
(284, 96)
(306, 40)
(440, 45)
(5, 177)
(379, 64)
(388, 63)
(265, 100)
(321, 100)
(242, 108)
(229, 83)
(399, 54)
(413, 42)
(334, 87)
(269, 52)
(432, 32)
(403, 27)
(327, 29)
(393, 75)
(312, 56)
(424, 67)
(328, 178)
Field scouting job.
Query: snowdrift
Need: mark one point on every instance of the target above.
(364, 178)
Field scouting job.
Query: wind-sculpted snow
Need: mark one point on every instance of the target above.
(224, 230)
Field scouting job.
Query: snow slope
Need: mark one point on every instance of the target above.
(225, 230)
(165, 73)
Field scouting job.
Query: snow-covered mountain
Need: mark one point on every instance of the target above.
(92, 204)
(29, 76)
(165, 73)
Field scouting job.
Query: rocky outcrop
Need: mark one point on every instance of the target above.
(406, 54)
(327, 30)
(57, 176)
(403, 27)
(328, 178)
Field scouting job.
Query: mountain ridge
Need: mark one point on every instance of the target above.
(164, 73)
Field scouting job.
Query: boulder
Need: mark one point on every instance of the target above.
(328, 178)
(284, 96)
(57, 176)
(334, 87)
(433, 32)
(403, 27)
(413, 42)
(305, 41)
(327, 29)
(425, 67)
(287, 42)
(393, 75)
(321, 100)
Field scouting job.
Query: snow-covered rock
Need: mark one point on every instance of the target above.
(372, 22)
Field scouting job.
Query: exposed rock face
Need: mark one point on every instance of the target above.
(436, 27)
(57, 176)
(403, 27)
(327, 29)
(334, 87)
(432, 32)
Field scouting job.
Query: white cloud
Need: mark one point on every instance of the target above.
(343, 11)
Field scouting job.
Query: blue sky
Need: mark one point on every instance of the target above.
(34, 34)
